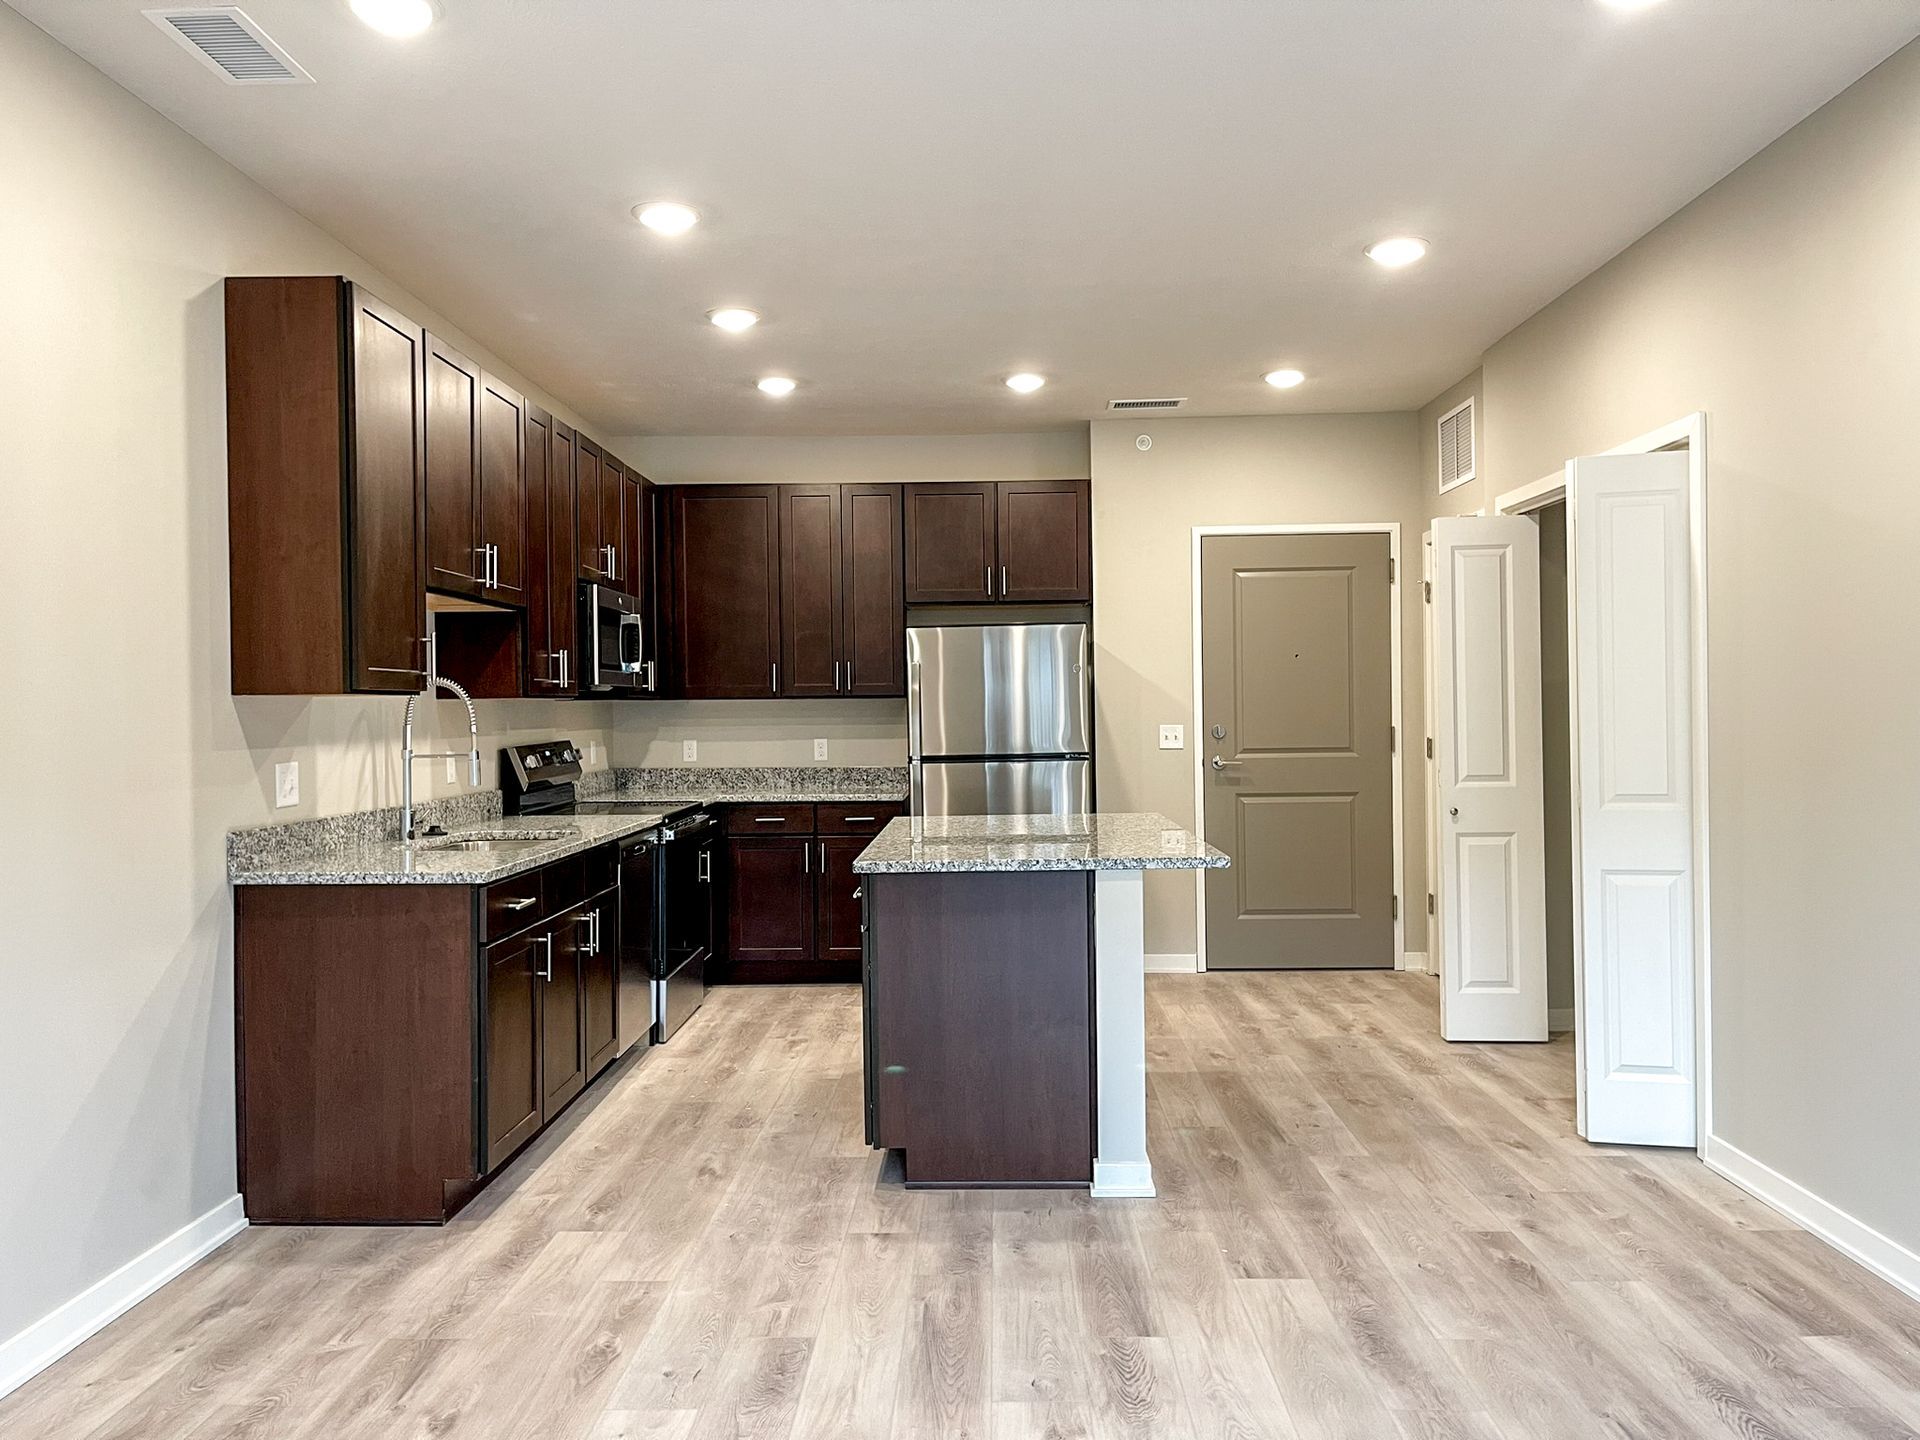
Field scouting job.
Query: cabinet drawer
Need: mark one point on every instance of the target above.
(564, 884)
(602, 867)
(513, 904)
(770, 820)
(867, 818)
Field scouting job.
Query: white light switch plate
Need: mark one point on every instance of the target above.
(689, 750)
(1173, 737)
(819, 749)
(286, 784)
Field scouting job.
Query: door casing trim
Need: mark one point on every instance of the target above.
(1396, 591)
(1689, 431)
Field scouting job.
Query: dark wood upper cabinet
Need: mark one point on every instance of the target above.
(873, 635)
(635, 533)
(724, 589)
(613, 489)
(589, 543)
(1046, 545)
(502, 509)
(1024, 542)
(810, 589)
(551, 617)
(950, 544)
(454, 557)
(325, 424)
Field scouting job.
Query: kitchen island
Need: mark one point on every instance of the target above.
(1005, 997)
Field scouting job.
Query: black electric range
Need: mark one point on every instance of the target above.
(668, 914)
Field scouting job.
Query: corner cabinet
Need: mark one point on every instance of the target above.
(397, 1044)
(1026, 542)
(325, 448)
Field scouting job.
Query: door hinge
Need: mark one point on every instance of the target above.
(1393, 571)
(1429, 747)
(1430, 909)
(1396, 907)
(1393, 739)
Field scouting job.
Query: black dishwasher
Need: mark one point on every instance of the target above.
(667, 908)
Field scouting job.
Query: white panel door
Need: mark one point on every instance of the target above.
(1633, 719)
(1492, 834)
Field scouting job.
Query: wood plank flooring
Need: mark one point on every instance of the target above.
(1362, 1232)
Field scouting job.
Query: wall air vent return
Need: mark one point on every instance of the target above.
(225, 38)
(1457, 446)
(1169, 404)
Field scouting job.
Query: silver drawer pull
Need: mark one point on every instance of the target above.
(861, 819)
(526, 902)
(769, 819)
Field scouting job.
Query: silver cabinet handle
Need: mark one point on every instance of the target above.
(1003, 582)
(546, 971)
(823, 857)
(563, 668)
(989, 580)
(806, 859)
(525, 902)
(860, 819)
(705, 870)
(1220, 764)
(769, 819)
(591, 919)
(776, 677)
(496, 565)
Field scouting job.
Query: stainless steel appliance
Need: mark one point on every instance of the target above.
(667, 908)
(613, 633)
(1000, 719)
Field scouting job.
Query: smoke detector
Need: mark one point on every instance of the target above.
(225, 39)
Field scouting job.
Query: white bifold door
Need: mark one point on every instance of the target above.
(1634, 883)
(1492, 905)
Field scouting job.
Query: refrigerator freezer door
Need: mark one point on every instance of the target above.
(1002, 787)
(999, 690)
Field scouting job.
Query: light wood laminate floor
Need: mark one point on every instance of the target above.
(1362, 1232)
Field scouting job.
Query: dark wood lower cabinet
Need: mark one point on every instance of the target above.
(397, 1044)
(837, 903)
(770, 910)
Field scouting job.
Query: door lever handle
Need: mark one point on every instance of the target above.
(1220, 764)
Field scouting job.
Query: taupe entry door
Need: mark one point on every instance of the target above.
(1296, 715)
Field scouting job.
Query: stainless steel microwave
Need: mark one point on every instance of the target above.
(613, 642)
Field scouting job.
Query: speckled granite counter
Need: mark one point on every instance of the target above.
(754, 785)
(1114, 841)
(431, 862)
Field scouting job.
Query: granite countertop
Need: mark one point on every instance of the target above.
(388, 862)
(763, 795)
(1112, 841)
(755, 785)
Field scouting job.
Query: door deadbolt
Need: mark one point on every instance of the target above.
(1219, 732)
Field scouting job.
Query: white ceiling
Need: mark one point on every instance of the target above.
(1135, 197)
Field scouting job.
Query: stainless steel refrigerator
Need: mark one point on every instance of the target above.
(1000, 719)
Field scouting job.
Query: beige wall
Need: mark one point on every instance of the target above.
(116, 1030)
(1785, 303)
(1310, 469)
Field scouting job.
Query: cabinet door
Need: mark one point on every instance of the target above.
(512, 1094)
(1046, 549)
(589, 544)
(503, 506)
(725, 593)
(873, 615)
(563, 562)
(600, 981)
(770, 910)
(563, 1056)
(837, 924)
(810, 619)
(636, 562)
(950, 543)
(452, 469)
(543, 666)
(613, 490)
(388, 603)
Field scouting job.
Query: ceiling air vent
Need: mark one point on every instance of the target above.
(225, 38)
(1456, 446)
(1168, 404)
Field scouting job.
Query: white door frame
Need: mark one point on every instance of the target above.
(1689, 433)
(1391, 529)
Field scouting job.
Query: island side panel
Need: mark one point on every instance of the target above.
(984, 1021)
(355, 1050)
(1121, 1166)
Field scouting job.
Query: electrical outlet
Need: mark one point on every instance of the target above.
(453, 775)
(819, 749)
(1173, 737)
(689, 750)
(286, 784)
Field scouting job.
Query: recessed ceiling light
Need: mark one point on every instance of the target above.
(733, 319)
(667, 217)
(398, 19)
(1397, 253)
(1283, 379)
(1026, 382)
(776, 385)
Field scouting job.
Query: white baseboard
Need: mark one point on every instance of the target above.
(1559, 1020)
(94, 1308)
(1123, 1180)
(1885, 1257)
(1415, 962)
(1172, 964)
